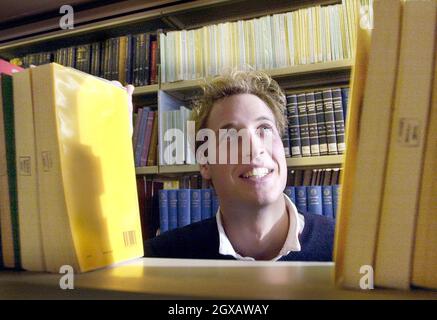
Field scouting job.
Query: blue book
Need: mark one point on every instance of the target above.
(172, 209)
(328, 108)
(196, 210)
(314, 195)
(339, 120)
(163, 210)
(205, 205)
(184, 207)
(214, 203)
(335, 194)
(301, 199)
(328, 209)
(140, 139)
(312, 124)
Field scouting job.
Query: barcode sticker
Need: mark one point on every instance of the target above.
(409, 132)
(129, 238)
(25, 168)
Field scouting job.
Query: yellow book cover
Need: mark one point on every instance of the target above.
(425, 245)
(394, 252)
(32, 253)
(371, 145)
(359, 74)
(87, 187)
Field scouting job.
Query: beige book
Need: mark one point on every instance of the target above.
(405, 156)
(360, 221)
(32, 252)
(425, 245)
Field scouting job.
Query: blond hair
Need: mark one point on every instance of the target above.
(241, 82)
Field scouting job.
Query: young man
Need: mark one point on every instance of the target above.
(256, 220)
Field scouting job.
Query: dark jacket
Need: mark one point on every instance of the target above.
(200, 240)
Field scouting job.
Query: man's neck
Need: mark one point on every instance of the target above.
(258, 232)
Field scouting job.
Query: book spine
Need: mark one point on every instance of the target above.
(328, 107)
(286, 137)
(9, 178)
(303, 125)
(328, 209)
(206, 203)
(301, 199)
(172, 209)
(321, 127)
(293, 123)
(184, 206)
(339, 120)
(335, 197)
(312, 124)
(163, 211)
(196, 213)
(314, 194)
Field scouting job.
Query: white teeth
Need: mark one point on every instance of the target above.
(257, 172)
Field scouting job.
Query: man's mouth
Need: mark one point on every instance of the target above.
(256, 173)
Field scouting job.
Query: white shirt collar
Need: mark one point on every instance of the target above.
(297, 223)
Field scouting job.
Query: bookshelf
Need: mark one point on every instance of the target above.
(208, 279)
(296, 163)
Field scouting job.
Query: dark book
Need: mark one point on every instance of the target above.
(163, 211)
(293, 124)
(8, 196)
(328, 107)
(286, 138)
(321, 127)
(83, 58)
(303, 125)
(345, 101)
(312, 124)
(339, 120)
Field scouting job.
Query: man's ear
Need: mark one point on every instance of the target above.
(205, 171)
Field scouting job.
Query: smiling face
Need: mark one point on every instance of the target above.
(261, 180)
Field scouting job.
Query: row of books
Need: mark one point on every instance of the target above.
(68, 188)
(129, 59)
(310, 35)
(388, 211)
(180, 207)
(316, 123)
(145, 137)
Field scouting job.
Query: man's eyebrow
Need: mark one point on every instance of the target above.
(233, 125)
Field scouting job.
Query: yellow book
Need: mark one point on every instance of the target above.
(405, 158)
(359, 74)
(87, 187)
(359, 223)
(425, 245)
(31, 247)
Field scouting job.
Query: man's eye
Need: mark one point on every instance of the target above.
(265, 129)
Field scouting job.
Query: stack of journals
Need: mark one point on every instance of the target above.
(316, 122)
(69, 195)
(388, 204)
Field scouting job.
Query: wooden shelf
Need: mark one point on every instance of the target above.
(336, 71)
(319, 162)
(151, 89)
(179, 168)
(151, 278)
(146, 170)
